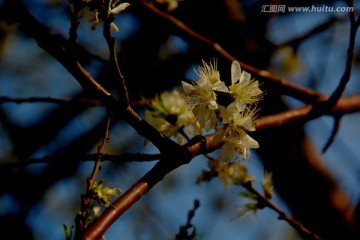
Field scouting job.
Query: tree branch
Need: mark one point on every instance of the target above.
(266, 202)
(169, 162)
(84, 101)
(304, 94)
(86, 198)
(56, 47)
(350, 55)
(120, 80)
(117, 158)
(301, 115)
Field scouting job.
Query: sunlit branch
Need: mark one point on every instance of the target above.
(196, 146)
(345, 105)
(304, 94)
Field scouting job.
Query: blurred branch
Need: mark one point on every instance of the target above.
(66, 101)
(302, 93)
(74, 24)
(337, 120)
(115, 158)
(344, 79)
(85, 101)
(318, 29)
(350, 55)
(183, 232)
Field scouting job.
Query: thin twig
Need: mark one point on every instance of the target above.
(183, 231)
(100, 152)
(350, 55)
(303, 231)
(86, 198)
(120, 80)
(337, 120)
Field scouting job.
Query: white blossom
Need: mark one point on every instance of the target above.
(170, 115)
(237, 140)
(243, 89)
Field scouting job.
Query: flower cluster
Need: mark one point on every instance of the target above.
(169, 114)
(228, 110)
(96, 10)
(229, 173)
(103, 194)
(208, 104)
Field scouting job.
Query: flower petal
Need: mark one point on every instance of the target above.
(235, 72)
(245, 76)
(249, 142)
(227, 151)
(113, 26)
(119, 8)
(245, 122)
(188, 88)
